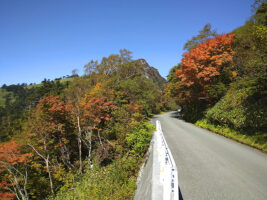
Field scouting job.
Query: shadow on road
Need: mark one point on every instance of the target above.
(180, 195)
(175, 114)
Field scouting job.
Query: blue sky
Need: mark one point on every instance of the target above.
(49, 38)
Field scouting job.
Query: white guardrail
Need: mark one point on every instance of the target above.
(166, 175)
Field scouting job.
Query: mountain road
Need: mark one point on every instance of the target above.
(211, 166)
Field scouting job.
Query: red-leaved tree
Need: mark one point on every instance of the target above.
(203, 75)
(202, 66)
(13, 169)
(96, 111)
(49, 132)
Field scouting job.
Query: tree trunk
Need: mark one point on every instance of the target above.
(79, 143)
(21, 193)
(88, 143)
(46, 159)
(65, 156)
(90, 147)
(99, 138)
(49, 174)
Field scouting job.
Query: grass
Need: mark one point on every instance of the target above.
(255, 139)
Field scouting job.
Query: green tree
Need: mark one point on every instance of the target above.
(204, 34)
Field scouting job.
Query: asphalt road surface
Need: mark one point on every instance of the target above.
(211, 166)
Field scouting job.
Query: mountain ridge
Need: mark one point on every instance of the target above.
(151, 72)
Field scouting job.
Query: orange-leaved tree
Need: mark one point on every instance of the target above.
(50, 132)
(202, 66)
(96, 111)
(13, 170)
(204, 72)
(6, 195)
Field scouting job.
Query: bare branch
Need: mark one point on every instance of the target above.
(37, 152)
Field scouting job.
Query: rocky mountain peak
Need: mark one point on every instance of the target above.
(151, 72)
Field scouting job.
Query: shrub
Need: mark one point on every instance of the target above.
(105, 154)
(100, 183)
(139, 139)
(243, 106)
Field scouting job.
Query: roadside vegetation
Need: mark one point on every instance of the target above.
(116, 180)
(82, 138)
(253, 139)
(221, 82)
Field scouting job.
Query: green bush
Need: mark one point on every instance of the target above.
(193, 111)
(243, 106)
(113, 181)
(100, 183)
(139, 139)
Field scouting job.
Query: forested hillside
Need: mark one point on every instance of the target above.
(83, 138)
(220, 82)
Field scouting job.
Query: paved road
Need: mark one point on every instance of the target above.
(211, 166)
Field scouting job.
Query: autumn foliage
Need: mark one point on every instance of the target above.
(10, 158)
(52, 119)
(9, 154)
(203, 75)
(205, 62)
(96, 110)
(72, 127)
(6, 195)
(52, 109)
